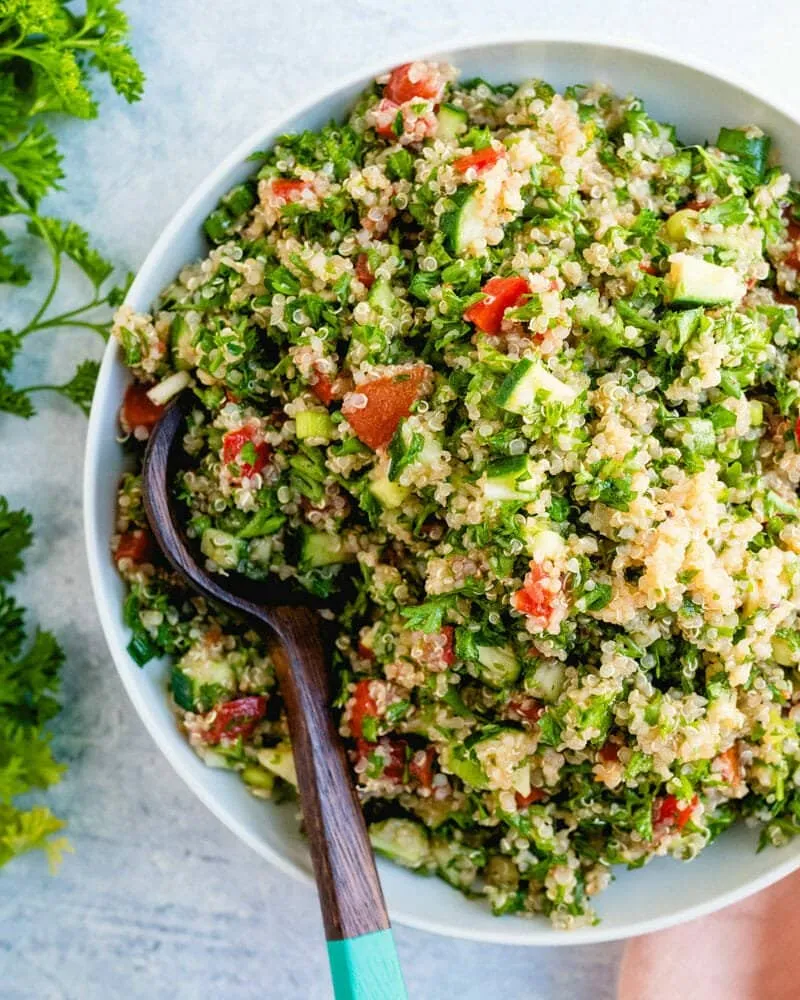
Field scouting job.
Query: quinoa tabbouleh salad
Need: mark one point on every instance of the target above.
(512, 376)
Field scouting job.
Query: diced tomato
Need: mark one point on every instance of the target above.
(386, 113)
(499, 294)
(449, 652)
(365, 652)
(792, 259)
(534, 795)
(481, 159)
(138, 410)
(533, 599)
(289, 190)
(420, 767)
(526, 708)
(237, 718)
(695, 206)
(394, 751)
(323, 388)
(363, 273)
(401, 88)
(363, 705)
(648, 268)
(797, 431)
(668, 811)
(389, 400)
(136, 545)
(609, 752)
(232, 444)
(729, 769)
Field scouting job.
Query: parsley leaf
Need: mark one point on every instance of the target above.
(29, 679)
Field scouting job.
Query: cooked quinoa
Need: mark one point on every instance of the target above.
(510, 377)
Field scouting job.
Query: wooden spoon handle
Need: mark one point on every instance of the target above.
(349, 890)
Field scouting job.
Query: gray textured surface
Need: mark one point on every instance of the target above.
(159, 900)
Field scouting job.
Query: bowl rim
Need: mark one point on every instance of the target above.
(524, 933)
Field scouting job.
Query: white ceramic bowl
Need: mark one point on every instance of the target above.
(666, 891)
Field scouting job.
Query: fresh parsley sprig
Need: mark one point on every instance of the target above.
(47, 52)
(28, 685)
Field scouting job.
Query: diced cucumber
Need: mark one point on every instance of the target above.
(402, 840)
(390, 495)
(199, 679)
(695, 282)
(313, 424)
(162, 393)
(181, 348)
(543, 543)
(696, 434)
(258, 777)
(240, 199)
(499, 667)
(279, 760)
(227, 551)
(464, 224)
(382, 298)
(456, 862)
(529, 380)
(460, 761)
(511, 478)
(546, 680)
(451, 122)
(680, 224)
(321, 549)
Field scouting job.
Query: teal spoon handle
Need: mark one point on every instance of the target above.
(366, 968)
(362, 954)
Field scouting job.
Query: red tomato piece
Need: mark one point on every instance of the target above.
(534, 795)
(449, 652)
(499, 294)
(609, 752)
(420, 767)
(386, 113)
(365, 652)
(136, 545)
(481, 159)
(138, 410)
(792, 259)
(730, 769)
(232, 444)
(797, 431)
(289, 190)
(648, 268)
(323, 388)
(389, 400)
(363, 705)
(667, 810)
(533, 599)
(237, 718)
(401, 88)
(393, 752)
(363, 273)
(526, 708)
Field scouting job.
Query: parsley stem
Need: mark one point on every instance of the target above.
(82, 324)
(55, 279)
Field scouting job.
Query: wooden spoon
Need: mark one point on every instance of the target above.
(363, 959)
